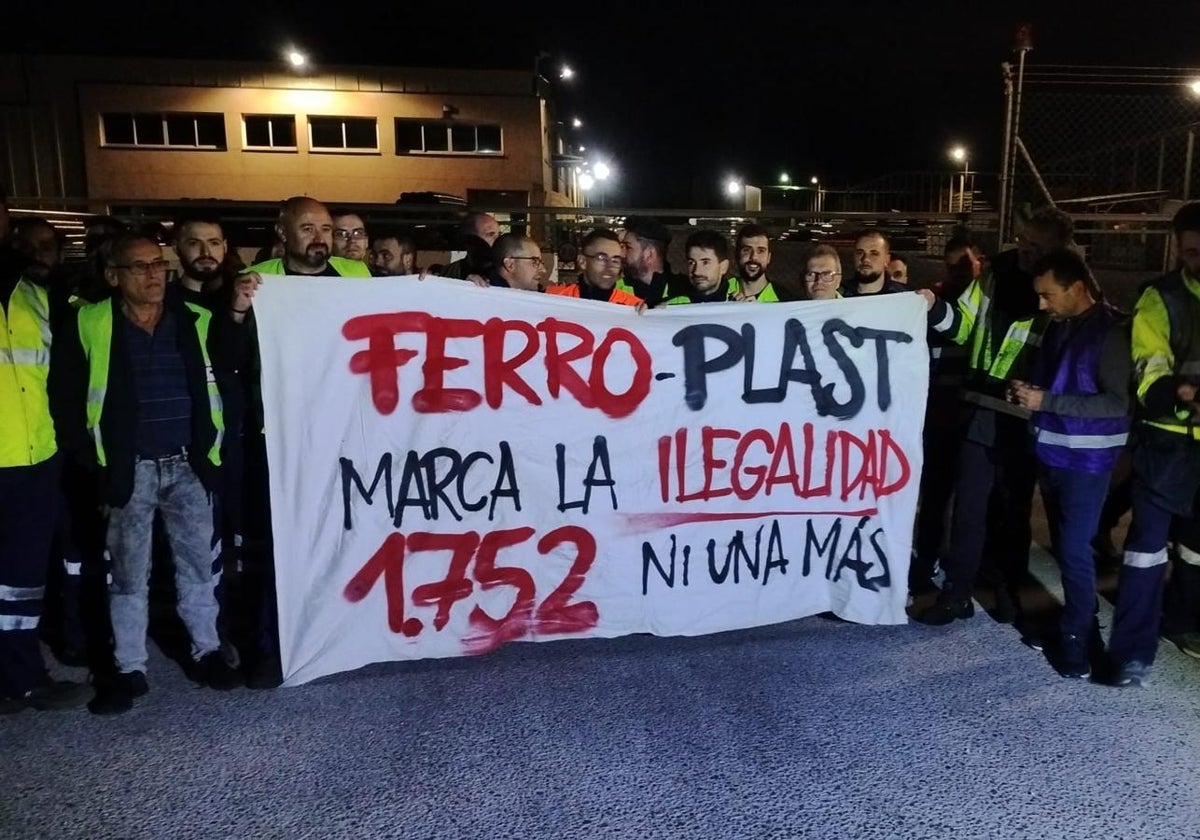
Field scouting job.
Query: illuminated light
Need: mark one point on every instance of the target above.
(566, 72)
(577, 123)
(586, 182)
(602, 170)
(296, 58)
(733, 186)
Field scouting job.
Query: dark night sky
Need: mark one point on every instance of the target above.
(848, 89)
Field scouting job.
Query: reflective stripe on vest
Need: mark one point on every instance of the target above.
(95, 333)
(26, 428)
(1081, 441)
(1069, 365)
(1184, 338)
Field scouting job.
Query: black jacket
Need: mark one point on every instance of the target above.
(118, 421)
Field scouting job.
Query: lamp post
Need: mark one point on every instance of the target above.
(959, 154)
(601, 171)
(586, 182)
(816, 183)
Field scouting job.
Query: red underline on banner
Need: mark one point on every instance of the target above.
(639, 522)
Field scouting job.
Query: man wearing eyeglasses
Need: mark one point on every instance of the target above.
(516, 263)
(350, 239)
(600, 254)
(138, 396)
(823, 274)
(306, 230)
(753, 257)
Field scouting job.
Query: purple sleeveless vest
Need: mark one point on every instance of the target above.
(1072, 366)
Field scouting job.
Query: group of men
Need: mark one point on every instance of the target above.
(144, 402)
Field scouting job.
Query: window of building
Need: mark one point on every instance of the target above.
(270, 131)
(447, 137)
(169, 130)
(341, 134)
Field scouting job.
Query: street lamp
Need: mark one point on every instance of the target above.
(816, 182)
(566, 73)
(959, 154)
(577, 123)
(296, 58)
(586, 182)
(601, 171)
(784, 179)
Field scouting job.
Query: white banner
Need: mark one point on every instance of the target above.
(453, 468)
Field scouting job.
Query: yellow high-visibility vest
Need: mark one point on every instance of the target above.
(95, 333)
(26, 429)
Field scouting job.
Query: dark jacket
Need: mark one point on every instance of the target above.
(118, 420)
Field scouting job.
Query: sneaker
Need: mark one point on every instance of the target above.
(1189, 643)
(267, 673)
(212, 671)
(945, 610)
(1132, 674)
(1073, 658)
(1034, 641)
(115, 695)
(56, 696)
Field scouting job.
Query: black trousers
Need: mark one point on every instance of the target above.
(993, 495)
(28, 510)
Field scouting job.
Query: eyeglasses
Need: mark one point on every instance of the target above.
(534, 260)
(605, 259)
(342, 233)
(141, 268)
(821, 276)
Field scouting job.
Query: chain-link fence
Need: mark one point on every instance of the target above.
(1115, 147)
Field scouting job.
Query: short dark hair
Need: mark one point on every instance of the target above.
(1068, 268)
(195, 217)
(959, 241)
(1187, 218)
(507, 245)
(882, 234)
(124, 242)
(27, 223)
(897, 258)
(710, 240)
(1053, 220)
(750, 231)
(650, 231)
(402, 239)
(334, 212)
(596, 235)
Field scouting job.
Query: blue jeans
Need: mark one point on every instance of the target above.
(167, 485)
(1074, 500)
